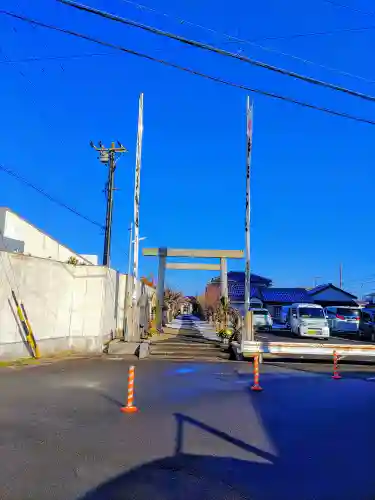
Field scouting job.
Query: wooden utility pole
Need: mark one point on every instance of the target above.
(109, 157)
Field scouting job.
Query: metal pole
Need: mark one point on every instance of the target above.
(109, 211)
(248, 330)
(223, 278)
(340, 275)
(224, 288)
(128, 284)
(160, 288)
(135, 312)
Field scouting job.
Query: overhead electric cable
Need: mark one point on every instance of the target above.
(17, 176)
(189, 70)
(232, 38)
(211, 48)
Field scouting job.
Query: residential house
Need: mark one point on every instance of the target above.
(236, 289)
(370, 300)
(263, 294)
(331, 295)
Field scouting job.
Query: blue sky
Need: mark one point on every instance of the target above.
(312, 174)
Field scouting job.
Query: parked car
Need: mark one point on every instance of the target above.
(308, 320)
(367, 324)
(261, 319)
(343, 319)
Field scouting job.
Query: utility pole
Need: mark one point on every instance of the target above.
(109, 157)
(340, 273)
(128, 290)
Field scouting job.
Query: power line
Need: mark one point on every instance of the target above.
(80, 56)
(281, 37)
(17, 176)
(344, 6)
(52, 58)
(314, 33)
(189, 70)
(216, 50)
(238, 40)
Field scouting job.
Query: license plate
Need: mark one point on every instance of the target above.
(313, 332)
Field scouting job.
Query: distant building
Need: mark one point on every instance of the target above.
(331, 295)
(369, 299)
(263, 294)
(236, 290)
(19, 235)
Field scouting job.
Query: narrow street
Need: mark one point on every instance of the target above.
(188, 338)
(199, 433)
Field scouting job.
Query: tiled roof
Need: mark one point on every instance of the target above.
(237, 291)
(320, 288)
(239, 277)
(285, 295)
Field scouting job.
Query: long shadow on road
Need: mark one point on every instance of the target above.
(187, 476)
(324, 451)
(320, 433)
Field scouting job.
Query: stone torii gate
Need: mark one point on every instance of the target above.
(163, 253)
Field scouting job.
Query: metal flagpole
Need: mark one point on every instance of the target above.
(249, 333)
(135, 309)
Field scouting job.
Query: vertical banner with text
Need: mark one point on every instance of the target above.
(249, 142)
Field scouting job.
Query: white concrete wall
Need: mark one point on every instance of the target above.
(75, 308)
(36, 243)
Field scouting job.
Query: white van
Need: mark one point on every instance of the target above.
(308, 320)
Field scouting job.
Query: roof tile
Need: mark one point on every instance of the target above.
(285, 295)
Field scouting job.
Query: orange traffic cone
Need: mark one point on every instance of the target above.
(256, 386)
(130, 408)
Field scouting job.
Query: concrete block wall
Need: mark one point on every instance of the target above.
(70, 307)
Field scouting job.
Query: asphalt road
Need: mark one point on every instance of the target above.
(200, 433)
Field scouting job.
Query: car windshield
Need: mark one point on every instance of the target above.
(260, 312)
(311, 312)
(348, 313)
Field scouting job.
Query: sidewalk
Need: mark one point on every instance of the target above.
(190, 323)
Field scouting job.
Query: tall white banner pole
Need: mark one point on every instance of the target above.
(135, 308)
(249, 333)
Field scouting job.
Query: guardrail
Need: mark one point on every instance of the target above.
(251, 348)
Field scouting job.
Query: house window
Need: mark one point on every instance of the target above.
(277, 311)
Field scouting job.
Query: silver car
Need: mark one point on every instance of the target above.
(343, 319)
(262, 319)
